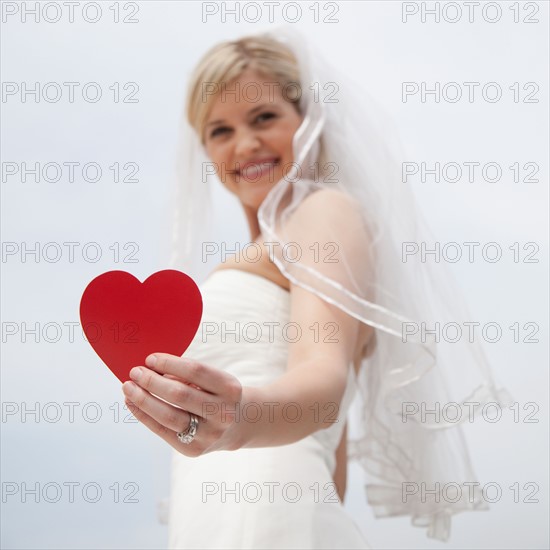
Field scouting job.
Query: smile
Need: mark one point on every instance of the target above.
(259, 169)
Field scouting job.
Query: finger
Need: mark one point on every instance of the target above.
(210, 379)
(172, 377)
(174, 391)
(167, 415)
(169, 436)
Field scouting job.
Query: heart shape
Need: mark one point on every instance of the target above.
(125, 320)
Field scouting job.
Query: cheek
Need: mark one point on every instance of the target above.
(282, 141)
(217, 157)
(213, 153)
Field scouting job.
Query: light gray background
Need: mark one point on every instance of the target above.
(370, 41)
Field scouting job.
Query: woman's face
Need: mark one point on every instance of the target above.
(248, 137)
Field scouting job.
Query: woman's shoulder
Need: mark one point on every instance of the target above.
(327, 212)
(329, 200)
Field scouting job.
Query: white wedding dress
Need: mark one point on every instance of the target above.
(270, 497)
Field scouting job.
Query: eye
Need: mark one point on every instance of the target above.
(219, 130)
(266, 116)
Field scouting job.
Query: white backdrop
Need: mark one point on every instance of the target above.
(384, 44)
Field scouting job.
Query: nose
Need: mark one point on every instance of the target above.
(247, 142)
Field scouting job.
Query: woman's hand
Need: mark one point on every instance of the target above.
(186, 386)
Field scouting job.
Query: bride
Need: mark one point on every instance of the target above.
(323, 294)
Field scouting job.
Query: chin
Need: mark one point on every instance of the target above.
(256, 187)
(254, 200)
(269, 180)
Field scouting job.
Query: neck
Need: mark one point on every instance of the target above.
(252, 219)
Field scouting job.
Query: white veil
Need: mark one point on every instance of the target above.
(346, 143)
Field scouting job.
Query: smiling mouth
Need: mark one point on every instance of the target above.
(257, 169)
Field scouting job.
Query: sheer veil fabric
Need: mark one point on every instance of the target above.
(345, 144)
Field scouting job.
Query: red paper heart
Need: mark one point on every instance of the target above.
(126, 320)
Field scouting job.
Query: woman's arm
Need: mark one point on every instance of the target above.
(306, 398)
(318, 363)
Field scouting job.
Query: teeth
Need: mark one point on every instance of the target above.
(252, 169)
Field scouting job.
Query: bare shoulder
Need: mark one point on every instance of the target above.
(330, 215)
(329, 202)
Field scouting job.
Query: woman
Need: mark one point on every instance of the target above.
(327, 263)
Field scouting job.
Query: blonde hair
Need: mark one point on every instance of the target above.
(227, 61)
